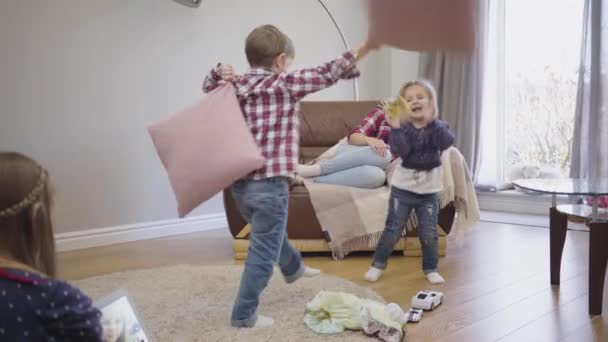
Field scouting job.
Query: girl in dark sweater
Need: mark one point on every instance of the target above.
(34, 306)
(419, 139)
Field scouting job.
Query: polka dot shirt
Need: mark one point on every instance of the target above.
(36, 308)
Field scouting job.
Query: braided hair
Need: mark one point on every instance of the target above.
(30, 199)
(25, 224)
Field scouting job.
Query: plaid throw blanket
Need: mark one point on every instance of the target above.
(354, 218)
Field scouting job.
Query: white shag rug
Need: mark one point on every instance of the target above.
(193, 303)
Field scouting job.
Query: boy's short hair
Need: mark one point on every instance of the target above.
(265, 43)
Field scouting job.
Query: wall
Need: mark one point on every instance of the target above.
(80, 80)
(403, 67)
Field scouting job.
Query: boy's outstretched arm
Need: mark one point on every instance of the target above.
(306, 81)
(223, 72)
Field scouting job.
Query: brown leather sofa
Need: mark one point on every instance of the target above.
(323, 124)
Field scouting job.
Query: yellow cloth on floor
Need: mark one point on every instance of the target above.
(333, 312)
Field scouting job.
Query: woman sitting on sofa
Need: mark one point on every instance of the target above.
(359, 162)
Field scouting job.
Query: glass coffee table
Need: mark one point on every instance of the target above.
(596, 218)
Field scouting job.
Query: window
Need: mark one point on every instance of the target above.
(530, 86)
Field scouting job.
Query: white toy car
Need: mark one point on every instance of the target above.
(427, 300)
(413, 315)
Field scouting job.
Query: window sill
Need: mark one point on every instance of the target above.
(513, 201)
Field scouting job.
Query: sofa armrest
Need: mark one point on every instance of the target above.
(447, 215)
(235, 221)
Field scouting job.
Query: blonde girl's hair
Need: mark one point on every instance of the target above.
(25, 222)
(430, 90)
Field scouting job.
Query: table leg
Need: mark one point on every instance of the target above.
(598, 259)
(557, 234)
(594, 207)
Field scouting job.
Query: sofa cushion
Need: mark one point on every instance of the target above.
(323, 124)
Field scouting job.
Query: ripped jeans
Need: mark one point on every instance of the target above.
(401, 204)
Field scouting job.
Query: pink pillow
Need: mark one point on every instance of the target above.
(205, 148)
(424, 25)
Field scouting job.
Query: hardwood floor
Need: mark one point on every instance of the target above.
(497, 285)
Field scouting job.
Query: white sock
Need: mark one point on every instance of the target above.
(263, 322)
(435, 278)
(310, 272)
(308, 171)
(372, 274)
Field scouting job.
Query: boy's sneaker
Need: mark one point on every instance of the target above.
(435, 278)
(310, 272)
(263, 322)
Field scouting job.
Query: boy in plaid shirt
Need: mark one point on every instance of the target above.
(269, 97)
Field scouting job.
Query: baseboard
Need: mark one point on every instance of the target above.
(139, 231)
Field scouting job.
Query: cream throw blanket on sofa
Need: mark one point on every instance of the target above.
(354, 218)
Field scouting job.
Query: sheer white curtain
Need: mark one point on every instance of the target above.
(590, 145)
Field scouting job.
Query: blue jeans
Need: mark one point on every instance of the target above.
(264, 204)
(400, 206)
(357, 166)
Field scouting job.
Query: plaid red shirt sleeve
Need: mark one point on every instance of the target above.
(211, 81)
(374, 125)
(306, 81)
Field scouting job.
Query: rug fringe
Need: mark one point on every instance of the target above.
(371, 240)
(366, 241)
